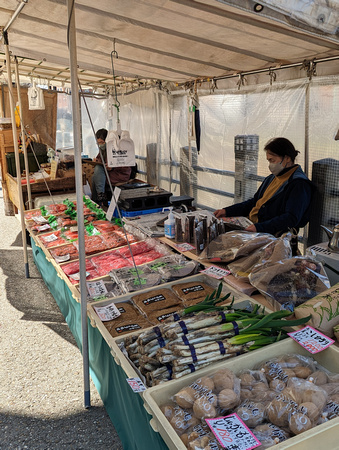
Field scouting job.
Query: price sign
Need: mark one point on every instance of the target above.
(39, 219)
(232, 433)
(44, 227)
(96, 288)
(50, 238)
(311, 339)
(108, 312)
(136, 384)
(216, 272)
(186, 247)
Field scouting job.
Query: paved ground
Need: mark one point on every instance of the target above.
(41, 383)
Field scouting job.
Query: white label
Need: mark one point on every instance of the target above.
(60, 259)
(44, 227)
(216, 272)
(39, 219)
(73, 229)
(185, 247)
(76, 276)
(108, 312)
(113, 204)
(232, 433)
(96, 288)
(311, 339)
(136, 384)
(50, 238)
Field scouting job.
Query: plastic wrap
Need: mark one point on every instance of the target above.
(93, 244)
(52, 239)
(276, 250)
(64, 253)
(72, 271)
(109, 261)
(290, 282)
(229, 246)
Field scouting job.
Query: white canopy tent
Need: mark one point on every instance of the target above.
(174, 41)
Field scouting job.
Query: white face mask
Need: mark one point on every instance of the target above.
(276, 168)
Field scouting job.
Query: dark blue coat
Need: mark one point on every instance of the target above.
(288, 208)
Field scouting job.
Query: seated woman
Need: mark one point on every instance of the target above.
(116, 175)
(283, 201)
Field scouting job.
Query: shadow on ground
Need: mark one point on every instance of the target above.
(21, 431)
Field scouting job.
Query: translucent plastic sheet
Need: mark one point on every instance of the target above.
(304, 111)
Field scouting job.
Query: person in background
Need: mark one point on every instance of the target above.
(116, 175)
(283, 201)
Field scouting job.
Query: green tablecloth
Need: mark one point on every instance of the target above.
(124, 407)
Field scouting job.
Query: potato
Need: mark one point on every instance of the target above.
(317, 397)
(335, 398)
(251, 413)
(318, 377)
(223, 379)
(302, 372)
(245, 394)
(228, 399)
(246, 380)
(205, 382)
(310, 409)
(299, 423)
(279, 412)
(185, 397)
(168, 411)
(277, 385)
(184, 438)
(179, 424)
(202, 408)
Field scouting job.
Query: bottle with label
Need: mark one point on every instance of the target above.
(170, 224)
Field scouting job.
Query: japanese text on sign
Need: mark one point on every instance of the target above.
(216, 272)
(96, 288)
(232, 433)
(108, 312)
(311, 339)
(136, 384)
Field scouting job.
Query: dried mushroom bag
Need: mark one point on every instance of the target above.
(276, 250)
(289, 283)
(324, 309)
(232, 245)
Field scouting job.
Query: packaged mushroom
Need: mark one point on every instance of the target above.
(288, 283)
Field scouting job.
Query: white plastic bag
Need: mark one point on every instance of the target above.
(120, 150)
(35, 98)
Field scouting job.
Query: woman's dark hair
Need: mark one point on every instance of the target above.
(282, 147)
(101, 134)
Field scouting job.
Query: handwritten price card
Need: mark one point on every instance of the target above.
(216, 272)
(311, 339)
(108, 312)
(232, 433)
(136, 384)
(96, 288)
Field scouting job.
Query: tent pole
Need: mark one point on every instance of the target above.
(16, 152)
(23, 138)
(79, 195)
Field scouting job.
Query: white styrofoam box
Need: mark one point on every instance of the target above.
(113, 343)
(325, 434)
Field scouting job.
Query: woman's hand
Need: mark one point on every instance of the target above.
(251, 228)
(220, 213)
